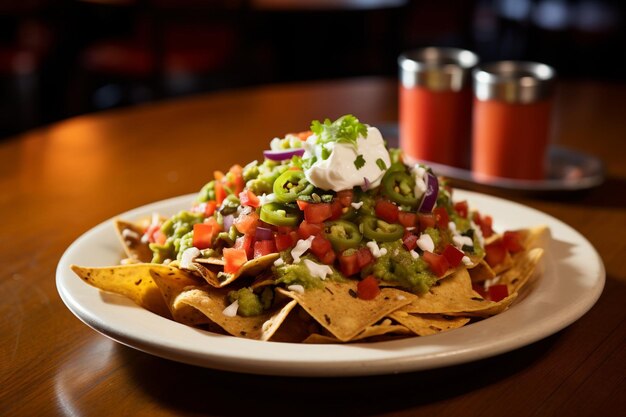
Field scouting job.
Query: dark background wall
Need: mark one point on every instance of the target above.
(60, 58)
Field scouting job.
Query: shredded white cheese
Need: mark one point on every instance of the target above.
(460, 241)
(279, 262)
(188, 256)
(301, 247)
(376, 251)
(296, 288)
(231, 310)
(425, 242)
(317, 270)
(357, 205)
(466, 260)
(414, 254)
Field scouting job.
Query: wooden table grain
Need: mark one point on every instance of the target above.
(58, 181)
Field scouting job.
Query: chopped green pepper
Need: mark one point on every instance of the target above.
(280, 215)
(290, 184)
(380, 230)
(342, 234)
(398, 186)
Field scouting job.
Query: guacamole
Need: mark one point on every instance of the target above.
(399, 266)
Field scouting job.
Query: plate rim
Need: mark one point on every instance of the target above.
(371, 359)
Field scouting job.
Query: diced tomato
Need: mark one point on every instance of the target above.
(220, 192)
(237, 182)
(159, 237)
(248, 198)
(387, 211)
(209, 208)
(407, 219)
(317, 212)
(438, 264)
(307, 229)
(302, 204)
(328, 258)
(233, 259)
(441, 217)
(336, 209)
(453, 256)
(368, 289)
(245, 242)
(285, 241)
(345, 197)
(320, 245)
(364, 257)
(264, 247)
(512, 241)
(247, 223)
(480, 289)
(495, 253)
(461, 208)
(426, 220)
(497, 292)
(485, 223)
(304, 135)
(203, 234)
(409, 240)
(349, 263)
(219, 175)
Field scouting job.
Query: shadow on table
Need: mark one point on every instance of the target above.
(189, 389)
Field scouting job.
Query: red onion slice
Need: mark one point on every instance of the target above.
(366, 184)
(228, 221)
(283, 154)
(430, 196)
(263, 233)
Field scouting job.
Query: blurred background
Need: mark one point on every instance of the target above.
(60, 58)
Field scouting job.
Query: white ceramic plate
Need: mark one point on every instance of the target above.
(572, 282)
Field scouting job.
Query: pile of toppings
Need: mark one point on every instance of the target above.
(330, 209)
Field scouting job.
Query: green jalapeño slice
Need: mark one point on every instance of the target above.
(342, 234)
(398, 187)
(279, 215)
(380, 230)
(291, 184)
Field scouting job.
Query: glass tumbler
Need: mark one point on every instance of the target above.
(512, 119)
(435, 99)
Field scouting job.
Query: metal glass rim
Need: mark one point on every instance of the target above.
(514, 81)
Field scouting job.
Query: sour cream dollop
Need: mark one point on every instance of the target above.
(339, 171)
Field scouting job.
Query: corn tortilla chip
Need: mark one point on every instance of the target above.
(133, 281)
(338, 309)
(481, 272)
(428, 324)
(212, 269)
(453, 294)
(130, 236)
(212, 302)
(524, 267)
(171, 284)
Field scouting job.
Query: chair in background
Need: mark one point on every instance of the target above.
(174, 47)
(26, 40)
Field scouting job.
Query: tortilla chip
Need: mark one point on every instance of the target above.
(212, 269)
(385, 327)
(481, 272)
(133, 281)
(428, 324)
(212, 302)
(338, 309)
(130, 235)
(171, 285)
(377, 331)
(453, 294)
(523, 269)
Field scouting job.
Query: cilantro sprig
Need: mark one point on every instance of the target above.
(345, 129)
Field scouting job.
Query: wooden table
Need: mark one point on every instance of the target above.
(59, 181)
